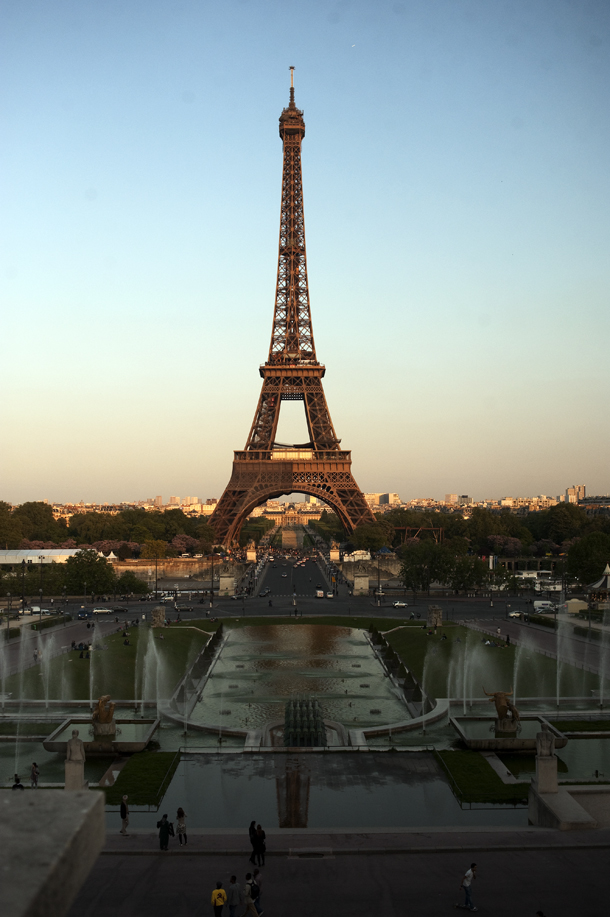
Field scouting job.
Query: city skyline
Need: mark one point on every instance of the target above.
(457, 210)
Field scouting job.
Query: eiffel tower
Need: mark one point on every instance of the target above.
(266, 469)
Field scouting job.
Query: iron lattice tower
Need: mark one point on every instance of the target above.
(267, 469)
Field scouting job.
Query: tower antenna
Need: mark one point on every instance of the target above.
(292, 85)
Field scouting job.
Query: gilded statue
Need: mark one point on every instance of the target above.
(104, 711)
(503, 705)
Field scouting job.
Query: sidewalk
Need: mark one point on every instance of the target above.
(417, 874)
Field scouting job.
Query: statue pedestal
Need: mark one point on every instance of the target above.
(75, 775)
(546, 774)
(507, 726)
(104, 729)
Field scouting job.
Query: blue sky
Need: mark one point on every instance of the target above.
(457, 217)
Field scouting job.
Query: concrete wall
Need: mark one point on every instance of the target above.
(173, 568)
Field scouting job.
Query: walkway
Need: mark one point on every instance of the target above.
(397, 873)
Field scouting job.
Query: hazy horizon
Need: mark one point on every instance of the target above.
(457, 216)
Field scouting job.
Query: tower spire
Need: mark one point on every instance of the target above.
(292, 105)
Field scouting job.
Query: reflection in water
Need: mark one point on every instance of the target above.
(292, 789)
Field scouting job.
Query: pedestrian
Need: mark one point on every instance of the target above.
(508, 639)
(181, 826)
(34, 775)
(166, 830)
(466, 883)
(248, 900)
(219, 899)
(18, 785)
(257, 877)
(259, 846)
(124, 816)
(233, 896)
(252, 833)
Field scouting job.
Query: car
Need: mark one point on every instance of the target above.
(399, 604)
(120, 610)
(515, 614)
(330, 595)
(84, 614)
(101, 611)
(284, 575)
(265, 592)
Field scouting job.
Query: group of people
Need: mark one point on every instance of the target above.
(34, 775)
(250, 897)
(165, 826)
(258, 842)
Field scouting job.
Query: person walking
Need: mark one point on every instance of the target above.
(233, 896)
(257, 877)
(466, 883)
(181, 826)
(219, 899)
(34, 775)
(260, 846)
(252, 833)
(124, 816)
(18, 785)
(248, 899)
(165, 830)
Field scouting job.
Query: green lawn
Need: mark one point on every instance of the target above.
(144, 778)
(28, 729)
(150, 667)
(582, 725)
(448, 668)
(475, 781)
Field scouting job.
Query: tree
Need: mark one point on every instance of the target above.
(423, 563)
(468, 573)
(11, 531)
(372, 536)
(88, 569)
(38, 523)
(153, 548)
(588, 557)
(129, 582)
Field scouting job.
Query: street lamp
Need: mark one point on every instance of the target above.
(8, 616)
(23, 585)
(40, 605)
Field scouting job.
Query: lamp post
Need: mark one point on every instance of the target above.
(40, 605)
(378, 583)
(23, 585)
(8, 616)
(212, 585)
(65, 603)
(40, 558)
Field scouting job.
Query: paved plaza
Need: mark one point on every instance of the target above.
(403, 873)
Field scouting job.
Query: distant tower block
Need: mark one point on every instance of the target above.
(266, 469)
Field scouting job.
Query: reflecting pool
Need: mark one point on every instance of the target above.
(259, 668)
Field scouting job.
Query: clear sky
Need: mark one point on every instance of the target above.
(457, 217)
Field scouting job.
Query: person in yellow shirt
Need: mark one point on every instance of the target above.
(219, 899)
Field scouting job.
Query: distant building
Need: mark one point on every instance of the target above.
(576, 493)
(451, 498)
(372, 499)
(388, 499)
(464, 500)
(309, 499)
(158, 501)
(174, 501)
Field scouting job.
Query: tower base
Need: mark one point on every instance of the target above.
(261, 476)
